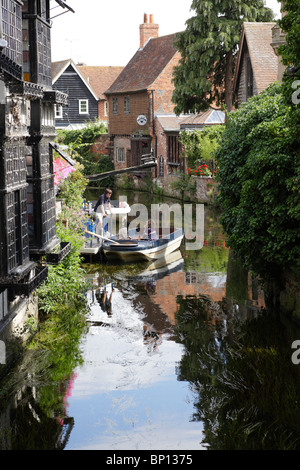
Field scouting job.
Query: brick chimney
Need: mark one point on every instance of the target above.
(148, 30)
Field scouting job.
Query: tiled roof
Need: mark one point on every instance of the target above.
(170, 123)
(100, 77)
(97, 78)
(263, 59)
(145, 66)
(58, 67)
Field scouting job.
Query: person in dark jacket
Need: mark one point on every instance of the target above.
(104, 203)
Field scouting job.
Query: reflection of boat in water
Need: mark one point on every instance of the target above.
(173, 262)
(134, 249)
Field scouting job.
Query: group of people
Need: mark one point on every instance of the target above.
(104, 202)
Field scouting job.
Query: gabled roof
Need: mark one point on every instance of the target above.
(258, 37)
(145, 66)
(96, 78)
(100, 77)
(58, 68)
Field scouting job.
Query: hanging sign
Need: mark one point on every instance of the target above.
(141, 120)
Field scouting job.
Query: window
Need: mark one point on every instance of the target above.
(83, 106)
(121, 155)
(105, 108)
(58, 111)
(126, 105)
(115, 106)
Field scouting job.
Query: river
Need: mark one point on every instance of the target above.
(181, 356)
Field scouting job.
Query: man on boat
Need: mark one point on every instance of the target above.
(104, 203)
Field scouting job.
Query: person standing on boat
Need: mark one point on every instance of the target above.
(104, 203)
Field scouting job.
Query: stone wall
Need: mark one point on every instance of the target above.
(203, 188)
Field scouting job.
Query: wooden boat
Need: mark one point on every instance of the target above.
(132, 249)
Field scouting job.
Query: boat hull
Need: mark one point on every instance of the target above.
(129, 250)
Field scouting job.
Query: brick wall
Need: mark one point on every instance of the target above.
(164, 88)
(126, 124)
(125, 143)
(162, 147)
(101, 111)
(101, 145)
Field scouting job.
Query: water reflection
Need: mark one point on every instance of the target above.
(241, 371)
(178, 354)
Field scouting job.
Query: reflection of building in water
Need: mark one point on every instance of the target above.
(39, 430)
(186, 283)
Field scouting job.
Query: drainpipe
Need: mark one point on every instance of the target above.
(153, 131)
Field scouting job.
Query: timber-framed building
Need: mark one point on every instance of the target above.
(27, 130)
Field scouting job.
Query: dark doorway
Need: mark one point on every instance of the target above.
(139, 147)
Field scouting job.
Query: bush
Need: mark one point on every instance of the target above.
(259, 175)
(64, 287)
(80, 142)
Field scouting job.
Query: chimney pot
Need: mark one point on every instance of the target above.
(148, 30)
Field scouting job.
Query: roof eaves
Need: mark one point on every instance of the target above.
(66, 64)
(125, 92)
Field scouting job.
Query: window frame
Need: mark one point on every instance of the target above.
(58, 111)
(120, 159)
(126, 105)
(80, 103)
(115, 105)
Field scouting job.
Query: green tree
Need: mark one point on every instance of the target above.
(290, 56)
(208, 47)
(290, 24)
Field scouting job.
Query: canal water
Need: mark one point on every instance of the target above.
(179, 355)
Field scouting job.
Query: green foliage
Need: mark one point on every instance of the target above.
(65, 284)
(80, 142)
(207, 48)
(290, 24)
(259, 170)
(200, 145)
(184, 183)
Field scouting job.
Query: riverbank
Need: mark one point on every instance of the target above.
(199, 189)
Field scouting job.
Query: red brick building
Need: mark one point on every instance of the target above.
(140, 94)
